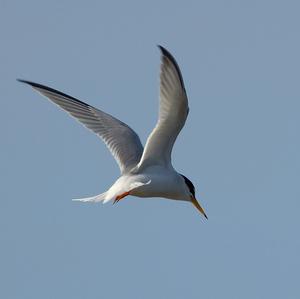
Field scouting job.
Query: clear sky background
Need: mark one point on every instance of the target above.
(240, 147)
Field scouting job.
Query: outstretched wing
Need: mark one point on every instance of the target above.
(173, 111)
(122, 141)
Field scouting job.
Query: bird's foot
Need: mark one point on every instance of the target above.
(119, 197)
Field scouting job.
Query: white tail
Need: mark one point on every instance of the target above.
(97, 198)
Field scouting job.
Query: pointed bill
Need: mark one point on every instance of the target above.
(197, 206)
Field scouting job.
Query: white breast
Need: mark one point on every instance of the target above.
(154, 181)
(163, 183)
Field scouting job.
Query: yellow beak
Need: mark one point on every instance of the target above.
(197, 206)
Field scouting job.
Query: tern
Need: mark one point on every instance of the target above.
(145, 171)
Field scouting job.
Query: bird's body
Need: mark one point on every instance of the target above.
(145, 172)
(156, 181)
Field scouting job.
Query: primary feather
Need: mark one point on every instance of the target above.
(121, 140)
(173, 111)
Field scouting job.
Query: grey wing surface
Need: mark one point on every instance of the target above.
(173, 111)
(121, 140)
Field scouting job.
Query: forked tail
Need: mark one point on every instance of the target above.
(97, 198)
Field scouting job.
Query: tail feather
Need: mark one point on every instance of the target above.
(97, 198)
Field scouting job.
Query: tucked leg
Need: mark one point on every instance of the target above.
(119, 197)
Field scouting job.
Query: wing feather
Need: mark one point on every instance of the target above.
(121, 140)
(173, 111)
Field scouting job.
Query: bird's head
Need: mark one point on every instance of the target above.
(192, 198)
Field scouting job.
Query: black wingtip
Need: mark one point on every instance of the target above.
(166, 53)
(52, 90)
(169, 56)
(161, 48)
(21, 80)
(31, 83)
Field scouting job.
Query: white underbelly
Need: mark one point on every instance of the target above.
(161, 186)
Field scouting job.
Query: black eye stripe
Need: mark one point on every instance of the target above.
(189, 184)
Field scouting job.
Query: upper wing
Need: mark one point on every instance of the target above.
(122, 141)
(173, 111)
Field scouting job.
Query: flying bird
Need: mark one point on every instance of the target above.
(145, 171)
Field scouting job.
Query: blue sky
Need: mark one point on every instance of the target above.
(240, 147)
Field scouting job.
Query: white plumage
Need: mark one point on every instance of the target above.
(145, 172)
